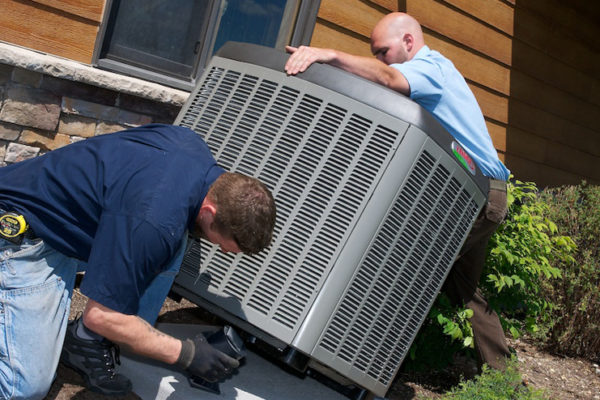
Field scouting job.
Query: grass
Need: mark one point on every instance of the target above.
(494, 385)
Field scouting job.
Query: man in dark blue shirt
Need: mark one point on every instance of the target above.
(119, 206)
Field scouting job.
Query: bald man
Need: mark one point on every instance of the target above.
(405, 64)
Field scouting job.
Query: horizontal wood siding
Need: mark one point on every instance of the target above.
(534, 67)
(554, 135)
(326, 35)
(89, 9)
(494, 13)
(462, 28)
(66, 28)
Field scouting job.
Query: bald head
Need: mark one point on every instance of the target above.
(396, 38)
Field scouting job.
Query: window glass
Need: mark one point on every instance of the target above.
(159, 34)
(252, 21)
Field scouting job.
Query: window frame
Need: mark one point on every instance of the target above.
(301, 34)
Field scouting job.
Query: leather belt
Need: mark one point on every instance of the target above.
(496, 184)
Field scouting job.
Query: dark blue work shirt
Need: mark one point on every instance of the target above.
(122, 202)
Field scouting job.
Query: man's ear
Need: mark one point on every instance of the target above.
(208, 211)
(409, 41)
(206, 214)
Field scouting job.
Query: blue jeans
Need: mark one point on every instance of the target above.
(36, 286)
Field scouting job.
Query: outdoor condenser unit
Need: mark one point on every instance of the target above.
(374, 200)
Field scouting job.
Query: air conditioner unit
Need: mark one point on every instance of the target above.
(374, 201)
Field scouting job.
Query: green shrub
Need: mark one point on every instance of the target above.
(522, 254)
(494, 385)
(574, 326)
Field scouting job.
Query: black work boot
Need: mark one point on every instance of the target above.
(95, 361)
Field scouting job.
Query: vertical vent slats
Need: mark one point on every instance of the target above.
(402, 272)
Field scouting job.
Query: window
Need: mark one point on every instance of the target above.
(171, 41)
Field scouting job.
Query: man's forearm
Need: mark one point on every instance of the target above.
(371, 69)
(366, 67)
(154, 344)
(131, 332)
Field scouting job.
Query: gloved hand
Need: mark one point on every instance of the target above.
(201, 359)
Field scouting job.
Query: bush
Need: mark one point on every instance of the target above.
(574, 325)
(494, 385)
(522, 254)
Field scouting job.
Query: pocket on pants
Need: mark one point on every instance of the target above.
(31, 265)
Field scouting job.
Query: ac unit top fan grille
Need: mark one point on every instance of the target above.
(322, 161)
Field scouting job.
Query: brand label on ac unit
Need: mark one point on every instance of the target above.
(462, 156)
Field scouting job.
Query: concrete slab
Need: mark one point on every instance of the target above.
(256, 379)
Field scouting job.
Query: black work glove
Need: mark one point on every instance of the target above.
(201, 359)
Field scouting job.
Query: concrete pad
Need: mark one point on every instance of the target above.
(256, 379)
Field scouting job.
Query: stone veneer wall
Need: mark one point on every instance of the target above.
(47, 102)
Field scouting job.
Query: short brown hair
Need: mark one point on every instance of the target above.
(245, 210)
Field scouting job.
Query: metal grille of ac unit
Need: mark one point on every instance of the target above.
(372, 208)
(401, 274)
(322, 161)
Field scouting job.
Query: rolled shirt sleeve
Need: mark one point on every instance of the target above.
(128, 252)
(426, 80)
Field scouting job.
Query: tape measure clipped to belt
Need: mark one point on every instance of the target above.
(13, 227)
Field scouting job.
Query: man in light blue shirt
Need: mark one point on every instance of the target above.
(439, 88)
(405, 64)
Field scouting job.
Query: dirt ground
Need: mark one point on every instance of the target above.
(561, 378)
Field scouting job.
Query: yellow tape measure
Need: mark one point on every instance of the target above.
(12, 225)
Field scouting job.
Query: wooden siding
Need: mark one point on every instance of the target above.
(533, 65)
(66, 28)
(554, 81)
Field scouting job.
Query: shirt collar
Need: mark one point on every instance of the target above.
(423, 51)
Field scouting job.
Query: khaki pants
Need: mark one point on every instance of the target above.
(461, 285)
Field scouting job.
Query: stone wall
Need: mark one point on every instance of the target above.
(42, 111)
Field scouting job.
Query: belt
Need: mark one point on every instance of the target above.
(14, 228)
(496, 184)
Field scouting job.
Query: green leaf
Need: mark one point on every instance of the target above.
(468, 342)
(441, 319)
(468, 313)
(456, 333)
(449, 328)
